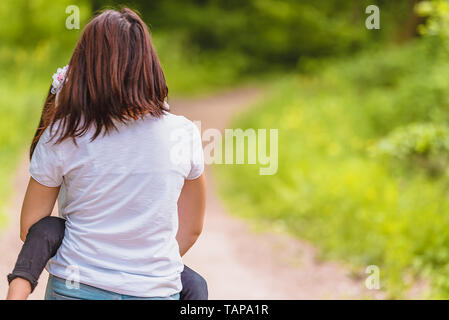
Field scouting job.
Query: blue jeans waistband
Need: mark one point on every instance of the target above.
(57, 289)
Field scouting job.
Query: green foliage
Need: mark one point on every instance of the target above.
(423, 146)
(437, 14)
(329, 189)
(436, 26)
(274, 34)
(196, 72)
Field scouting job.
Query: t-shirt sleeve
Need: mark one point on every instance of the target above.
(197, 155)
(46, 162)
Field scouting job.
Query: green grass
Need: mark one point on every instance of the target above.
(330, 189)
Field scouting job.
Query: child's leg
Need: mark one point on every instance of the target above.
(41, 243)
(194, 286)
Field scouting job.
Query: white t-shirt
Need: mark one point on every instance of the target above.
(119, 197)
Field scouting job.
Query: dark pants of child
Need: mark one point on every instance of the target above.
(44, 239)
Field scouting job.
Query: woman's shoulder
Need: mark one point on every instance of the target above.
(178, 120)
(51, 132)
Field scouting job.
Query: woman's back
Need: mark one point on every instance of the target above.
(119, 195)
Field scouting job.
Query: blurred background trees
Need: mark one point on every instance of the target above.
(271, 34)
(362, 114)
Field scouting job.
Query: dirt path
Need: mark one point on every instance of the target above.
(237, 263)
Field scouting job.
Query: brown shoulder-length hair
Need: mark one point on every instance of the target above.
(114, 75)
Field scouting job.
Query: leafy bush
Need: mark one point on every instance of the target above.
(418, 145)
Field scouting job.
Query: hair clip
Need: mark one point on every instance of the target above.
(58, 79)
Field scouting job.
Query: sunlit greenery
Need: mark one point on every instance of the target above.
(363, 158)
(363, 150)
